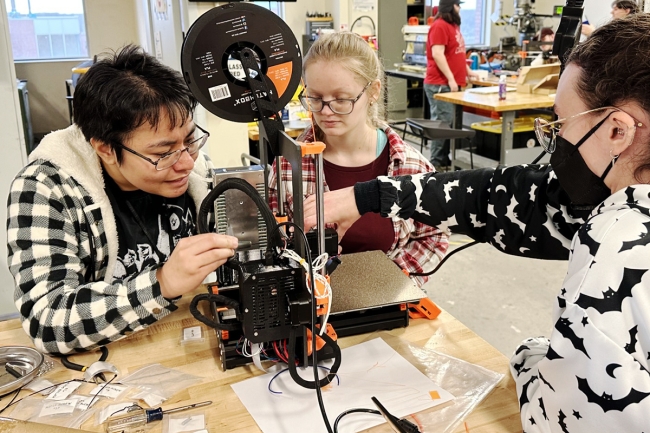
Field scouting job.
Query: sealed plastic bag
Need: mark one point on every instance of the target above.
(469, 383)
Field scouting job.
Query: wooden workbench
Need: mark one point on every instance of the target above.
(514, 101)
(160, 343)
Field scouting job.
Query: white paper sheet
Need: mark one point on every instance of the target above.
(369, 369)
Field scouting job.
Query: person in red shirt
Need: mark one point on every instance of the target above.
(447, 69)
(343, 77)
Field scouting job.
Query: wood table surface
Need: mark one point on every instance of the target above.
(514, 100)
(160, 343)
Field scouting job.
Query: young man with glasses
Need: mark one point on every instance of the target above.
(343, 77)
(101, 223)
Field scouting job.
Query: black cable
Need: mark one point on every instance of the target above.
(207, 205)
(219, 301)
(426, 274)
(78, 367)
(374, 27)
(12, 402)
(349, 411)
(12, 399)
(536, 160)
(100, 391)
(314, 357)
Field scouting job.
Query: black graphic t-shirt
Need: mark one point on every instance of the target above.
(148, 226)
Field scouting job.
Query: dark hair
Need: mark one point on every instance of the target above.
(615, 61)
(626, 4)
(452, 17)
(125, 89)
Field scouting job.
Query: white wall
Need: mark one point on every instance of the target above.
(13, 154)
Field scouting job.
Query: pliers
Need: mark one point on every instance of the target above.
(78, 367)
(398, 425)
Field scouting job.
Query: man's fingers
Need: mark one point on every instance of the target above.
(207, 241)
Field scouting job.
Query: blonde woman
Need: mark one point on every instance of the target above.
(343, 76)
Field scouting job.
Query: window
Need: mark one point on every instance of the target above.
(275, 7)
(472, 18)
(46, 29)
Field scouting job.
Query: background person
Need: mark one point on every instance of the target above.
(546, 34)
(620, 9)
(101, 234)
(447, 70)
(343, 77)
(593, 201)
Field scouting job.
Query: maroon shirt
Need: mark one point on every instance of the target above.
(371, 231)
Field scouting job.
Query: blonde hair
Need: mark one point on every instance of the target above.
(354, 54)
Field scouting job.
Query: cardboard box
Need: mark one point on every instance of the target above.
(540, 79)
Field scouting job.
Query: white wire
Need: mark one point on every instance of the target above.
(317, 264)
(246, 352)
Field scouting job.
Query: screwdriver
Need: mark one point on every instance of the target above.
(140, 417)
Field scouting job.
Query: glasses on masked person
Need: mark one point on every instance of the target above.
(547, 132)
(338, 106)
(171, 158)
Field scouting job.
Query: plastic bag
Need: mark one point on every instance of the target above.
(40, 410)
(158, 383)
(469, 383)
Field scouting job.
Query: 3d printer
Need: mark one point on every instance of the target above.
(243, 63)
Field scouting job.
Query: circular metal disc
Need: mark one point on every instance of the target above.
(24, 359)
(210, 65)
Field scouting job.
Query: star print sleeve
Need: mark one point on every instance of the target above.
(521, 210)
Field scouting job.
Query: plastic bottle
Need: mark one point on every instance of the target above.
(475, 61)
(502, 88)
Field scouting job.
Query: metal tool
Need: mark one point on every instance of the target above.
(397, 424)
(139, 417)
(97, 372)
(18, 366)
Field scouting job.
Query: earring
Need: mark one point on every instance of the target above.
(613, 157)
(372, 102)
(621, 132)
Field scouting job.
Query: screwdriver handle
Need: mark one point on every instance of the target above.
(154, 414)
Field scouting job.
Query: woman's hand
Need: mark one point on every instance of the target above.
(340, 208)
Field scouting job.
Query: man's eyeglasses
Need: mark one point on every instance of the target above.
(338, 106)
(171, 158)
(547, 131)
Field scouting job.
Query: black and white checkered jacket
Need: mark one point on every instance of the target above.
(57, 213)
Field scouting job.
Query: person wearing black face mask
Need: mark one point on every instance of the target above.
(590, 205)
(585, 189)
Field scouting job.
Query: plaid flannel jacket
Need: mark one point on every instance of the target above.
(58, 213)
(416, 247)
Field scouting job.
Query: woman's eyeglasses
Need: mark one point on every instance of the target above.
(338, 106)
(546, 131)
(171, 158)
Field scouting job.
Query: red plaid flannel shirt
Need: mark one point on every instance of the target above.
(416, 247)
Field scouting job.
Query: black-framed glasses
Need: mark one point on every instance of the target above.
(546, 131)
(171, 158)
(338, 106)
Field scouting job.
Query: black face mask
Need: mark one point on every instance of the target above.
(580, 183)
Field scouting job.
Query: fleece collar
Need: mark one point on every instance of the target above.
(69, 150)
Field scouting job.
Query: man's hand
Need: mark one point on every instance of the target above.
(453, 86)
(340, 208)
(192, 260)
